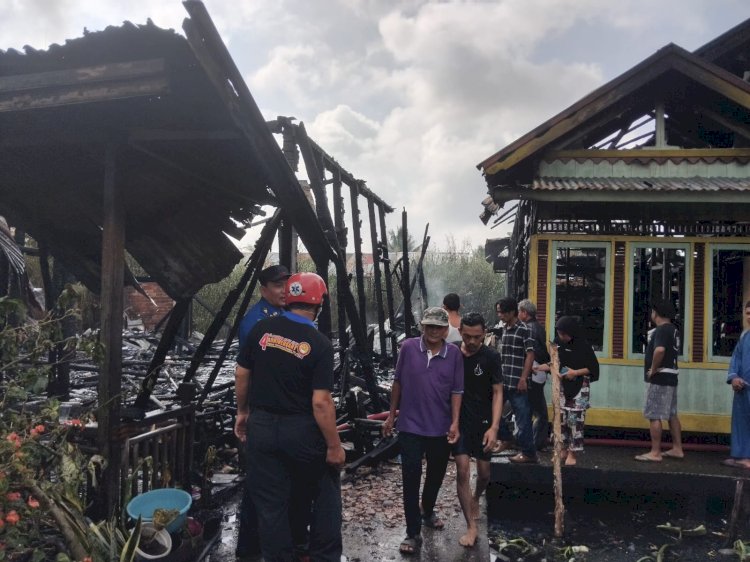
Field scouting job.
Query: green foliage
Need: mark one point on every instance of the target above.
(214, 296)
(464, 271)
(40, 473)
(396, 241)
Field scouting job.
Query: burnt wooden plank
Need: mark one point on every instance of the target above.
(376, 271)
(176, 316)
(85, 93)
(388, 280)
(342, 282)
(84, 75)
(249, 276)
(405, 285)
(358, 267)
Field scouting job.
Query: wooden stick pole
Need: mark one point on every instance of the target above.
(557, 432)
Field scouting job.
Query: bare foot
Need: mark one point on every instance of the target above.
(673, 454)
(570, 461)
(470, 538)
(475, 509)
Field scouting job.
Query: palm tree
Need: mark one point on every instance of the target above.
(395, 241)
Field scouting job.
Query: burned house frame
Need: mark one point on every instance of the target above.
(639, 191)
(136, 139)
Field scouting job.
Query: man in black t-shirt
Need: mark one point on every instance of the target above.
(286, 415)
(661, 372)
(479, 420)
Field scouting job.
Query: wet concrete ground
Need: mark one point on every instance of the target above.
(374, 524)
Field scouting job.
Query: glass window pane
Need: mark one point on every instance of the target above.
(658, 274)
(580, 289)
(731, 289)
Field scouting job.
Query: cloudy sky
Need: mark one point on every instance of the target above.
(410, 95)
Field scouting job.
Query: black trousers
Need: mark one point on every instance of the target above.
(288, 455)
(413, 448)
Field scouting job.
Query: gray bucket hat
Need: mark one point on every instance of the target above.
(434, 316)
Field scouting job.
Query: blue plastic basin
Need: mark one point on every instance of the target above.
(164, 498)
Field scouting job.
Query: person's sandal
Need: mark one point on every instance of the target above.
(432, 521)
(410, 545)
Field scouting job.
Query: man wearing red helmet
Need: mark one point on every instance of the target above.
(286, 414)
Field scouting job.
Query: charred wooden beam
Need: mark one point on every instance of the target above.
(405, 285)
(329, 163)
(342, 281)
(84, 85)
(255, 263)
(359, 273)
(376, 271)
(419, 273)
(176, 317)
(385, 258)
(113, 267)
(359, 328)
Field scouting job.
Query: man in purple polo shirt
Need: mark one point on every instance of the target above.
(427, 385)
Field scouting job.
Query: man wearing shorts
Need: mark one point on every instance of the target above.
(662, 352)
(479, 420)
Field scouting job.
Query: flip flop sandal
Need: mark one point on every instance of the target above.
(410, 545)
(432, 521)
(646, 458)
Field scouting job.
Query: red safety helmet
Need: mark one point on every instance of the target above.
(307, 288)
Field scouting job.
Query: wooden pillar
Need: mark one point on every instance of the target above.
(376, 272)
(113, 263)
(359, 270)
(342, 281)
(388, 280)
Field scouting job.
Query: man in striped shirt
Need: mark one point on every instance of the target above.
(516, 349)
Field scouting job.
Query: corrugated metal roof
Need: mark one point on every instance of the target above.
(642, 184)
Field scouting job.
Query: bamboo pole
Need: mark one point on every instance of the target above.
(557, 442)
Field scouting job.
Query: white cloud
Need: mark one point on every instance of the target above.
(409, 94)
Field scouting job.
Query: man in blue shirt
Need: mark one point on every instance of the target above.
(272, 299)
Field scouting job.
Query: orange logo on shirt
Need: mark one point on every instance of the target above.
(298, 349)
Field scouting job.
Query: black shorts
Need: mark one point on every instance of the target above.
(470, 440)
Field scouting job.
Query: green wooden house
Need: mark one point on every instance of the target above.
(639, 191)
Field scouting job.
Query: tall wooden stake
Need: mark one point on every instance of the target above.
(557, 447)
(113, 263)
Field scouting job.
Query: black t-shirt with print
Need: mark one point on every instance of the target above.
(288, 359)
(481, 371)
(666, 336)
